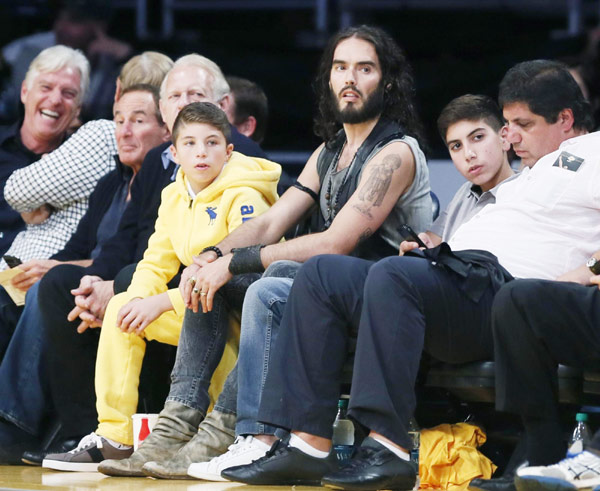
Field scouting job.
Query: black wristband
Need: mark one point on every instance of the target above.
(246, 260)
(215, 249)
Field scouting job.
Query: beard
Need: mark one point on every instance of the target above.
(371, 108)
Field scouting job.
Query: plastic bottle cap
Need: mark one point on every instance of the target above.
(581, 417)
(343, 403)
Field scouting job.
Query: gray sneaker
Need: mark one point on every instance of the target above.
(92, 450)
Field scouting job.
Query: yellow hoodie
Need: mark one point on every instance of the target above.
(246, 187)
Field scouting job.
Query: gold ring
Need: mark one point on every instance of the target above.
(195, 290)
(192, 280)
(202, 294)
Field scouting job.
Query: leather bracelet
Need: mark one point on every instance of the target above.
(246, 260)
(215, 249)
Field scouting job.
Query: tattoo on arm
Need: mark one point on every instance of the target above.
(377, 185)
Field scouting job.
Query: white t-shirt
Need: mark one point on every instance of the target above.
(546, 221)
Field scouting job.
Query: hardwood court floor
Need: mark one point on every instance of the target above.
(27, 477)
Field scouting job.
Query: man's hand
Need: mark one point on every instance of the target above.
(37, 216)
(91, 299)
(595, 280)
(407, 245)
(136, 315)
(33, 271)
(188, 276)
(208, 281)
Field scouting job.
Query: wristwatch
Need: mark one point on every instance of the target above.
(594, 265)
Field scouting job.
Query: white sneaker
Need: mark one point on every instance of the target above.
(581, 471)
(243, 451)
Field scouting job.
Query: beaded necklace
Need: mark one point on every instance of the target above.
(332, 208)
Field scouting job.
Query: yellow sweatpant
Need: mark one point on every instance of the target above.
(119, 363)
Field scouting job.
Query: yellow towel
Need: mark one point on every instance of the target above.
(449, 459)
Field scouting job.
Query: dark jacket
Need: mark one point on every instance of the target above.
(13, 155)
(84, 240)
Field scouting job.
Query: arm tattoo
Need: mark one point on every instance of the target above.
(377, 184)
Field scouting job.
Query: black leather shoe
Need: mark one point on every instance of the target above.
(285, 466)
(373, 467)
(35, 457)
(499, 484)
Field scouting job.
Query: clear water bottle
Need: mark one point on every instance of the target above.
(414, 432)
(581, 435)
(343, 433)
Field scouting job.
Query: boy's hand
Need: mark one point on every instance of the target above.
(136, 315)
(407, 245)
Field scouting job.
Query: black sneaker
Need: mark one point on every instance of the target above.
(373, 467)
(284, 466)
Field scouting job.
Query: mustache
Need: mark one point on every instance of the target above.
(352, 88)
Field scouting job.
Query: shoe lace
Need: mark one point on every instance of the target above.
(358, 460)
(236, 447)
(579, 463)
(277, 448)
(88, 441)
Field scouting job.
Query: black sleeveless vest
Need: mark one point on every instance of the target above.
(384, 132)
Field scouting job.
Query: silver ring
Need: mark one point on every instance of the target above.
(202, 294)
(195, 290)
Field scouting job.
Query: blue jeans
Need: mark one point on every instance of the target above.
(9, 316)
(261, 316)
(256, 342)
(200, 348)
(24, 393)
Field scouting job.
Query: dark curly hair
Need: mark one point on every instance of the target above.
(397, 80)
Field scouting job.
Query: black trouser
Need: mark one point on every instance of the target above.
(72, 359)
(537, 325)
(71, 356)
(400, 306)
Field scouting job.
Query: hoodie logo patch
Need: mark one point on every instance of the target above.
(212, 214)
(246, 210)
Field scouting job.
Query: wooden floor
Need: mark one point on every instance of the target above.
(27, 477)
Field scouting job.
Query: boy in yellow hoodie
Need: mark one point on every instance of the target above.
(215, 191)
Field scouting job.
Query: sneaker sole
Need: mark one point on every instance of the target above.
(58, 465)
(398, 486)
(205, 476)
(108, 471)
(540, 483)
(196, 470)
(31, 462)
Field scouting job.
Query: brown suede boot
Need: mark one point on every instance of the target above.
(177, 424)
(215, 434)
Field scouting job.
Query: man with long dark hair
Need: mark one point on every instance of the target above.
(365, 180)
(542, 225)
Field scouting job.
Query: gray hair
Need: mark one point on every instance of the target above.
(56, 58)
(219, 88)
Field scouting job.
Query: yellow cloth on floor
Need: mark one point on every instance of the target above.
(449, 459)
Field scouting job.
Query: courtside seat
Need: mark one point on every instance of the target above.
(591, 383)
(475, 382)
